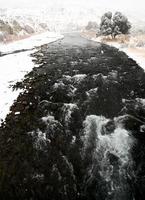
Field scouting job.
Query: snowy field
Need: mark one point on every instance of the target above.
(14, 67)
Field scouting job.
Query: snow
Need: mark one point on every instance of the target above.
(31, 42)
(138, 58)
(14, 67)
(79, 77)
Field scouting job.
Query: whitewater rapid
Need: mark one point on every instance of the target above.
(108, 153)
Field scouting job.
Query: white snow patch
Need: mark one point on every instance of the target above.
(13, 68)
(79, 77)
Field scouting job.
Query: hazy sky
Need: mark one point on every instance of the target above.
(115, 4)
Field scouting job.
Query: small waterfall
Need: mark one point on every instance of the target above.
(107, 156)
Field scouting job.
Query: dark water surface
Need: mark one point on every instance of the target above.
(78, 129)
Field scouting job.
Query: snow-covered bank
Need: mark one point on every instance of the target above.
(13, 67)
(136, 53)
(31, 42)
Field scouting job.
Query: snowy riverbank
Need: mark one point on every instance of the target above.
(14, 67)
(31, 42)
(136, 53)
(129, 47)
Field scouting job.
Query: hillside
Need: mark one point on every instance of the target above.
(14, 26)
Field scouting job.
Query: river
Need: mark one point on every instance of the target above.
(77, 131)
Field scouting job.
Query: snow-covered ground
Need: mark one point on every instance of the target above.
(13, 67)
(31, 42)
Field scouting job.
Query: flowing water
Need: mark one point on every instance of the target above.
(77, 133)
(109, 155)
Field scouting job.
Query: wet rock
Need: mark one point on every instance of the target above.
(113, 75)
(100, 79)
(134, 125)
(113, 159)
(108, 128)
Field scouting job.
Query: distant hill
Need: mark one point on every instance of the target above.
(18, 27)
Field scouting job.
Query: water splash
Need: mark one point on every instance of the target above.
(107, 151)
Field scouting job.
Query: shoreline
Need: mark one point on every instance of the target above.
(30, 42)
(15, 66)
(136, 53)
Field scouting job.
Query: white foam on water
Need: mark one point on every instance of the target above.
(110, 151)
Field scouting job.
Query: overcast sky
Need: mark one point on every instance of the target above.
(115, 4)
